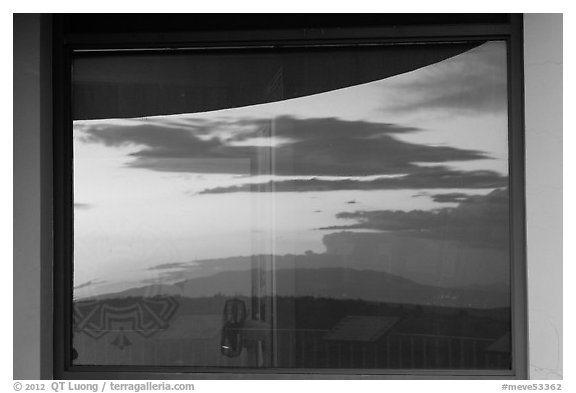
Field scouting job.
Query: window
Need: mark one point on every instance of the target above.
(348, 203)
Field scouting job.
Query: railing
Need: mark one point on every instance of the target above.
(395, 351)
(303, 349)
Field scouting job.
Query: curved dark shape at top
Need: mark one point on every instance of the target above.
(108, 85)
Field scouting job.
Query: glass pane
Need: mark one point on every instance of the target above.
(359, 227)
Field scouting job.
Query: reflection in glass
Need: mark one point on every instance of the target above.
(361, 226)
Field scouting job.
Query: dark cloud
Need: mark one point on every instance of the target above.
(478, 220)
(451, 197)
(472, 82)
(313, 147)
(82, 206)
(157, 140)
(431, 178)
(459, 197)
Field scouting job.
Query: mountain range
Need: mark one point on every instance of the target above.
(336, 283)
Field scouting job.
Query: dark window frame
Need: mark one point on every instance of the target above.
(307, 31)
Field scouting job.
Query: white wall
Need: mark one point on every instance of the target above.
(543, 73)
(543, 76)
(26, 337)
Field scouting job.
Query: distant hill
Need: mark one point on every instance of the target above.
(424, 260)
(337, 283)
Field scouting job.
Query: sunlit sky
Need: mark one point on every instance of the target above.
(130, 217)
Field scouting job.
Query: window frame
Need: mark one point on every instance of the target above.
(66, 42)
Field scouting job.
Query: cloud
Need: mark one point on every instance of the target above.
(451, 197)
(311, 147)
(170, 266)
(175, 271)
(158, 140)
(82, 206)
(430, 178)
(90, 283)
(171, 271)
(479, 220)
(472, 82)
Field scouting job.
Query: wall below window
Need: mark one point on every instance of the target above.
(543, 71)
(543, 75)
